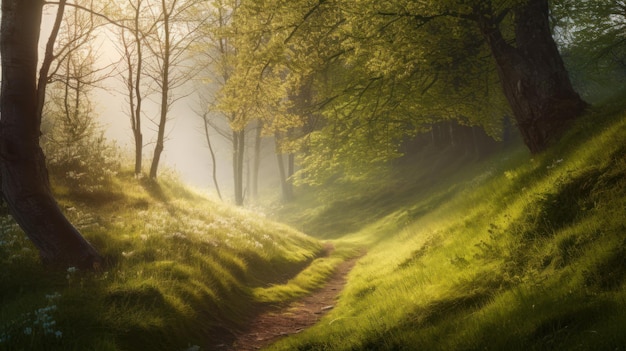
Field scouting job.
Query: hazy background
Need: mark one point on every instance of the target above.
(186, 150)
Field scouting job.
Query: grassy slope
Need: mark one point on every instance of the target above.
(181, 271)
(516, 253)
(525, 253)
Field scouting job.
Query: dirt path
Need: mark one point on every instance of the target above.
(272, 325)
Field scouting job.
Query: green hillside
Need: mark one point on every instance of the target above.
(518, 252)
(514, 252)
(181, 271)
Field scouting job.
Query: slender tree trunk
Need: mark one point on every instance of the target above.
(257, 160)
(292, 165)
(285, 185)
(214, 163)
(533, 76)
(138, 152)
(238, 156)
(48, 58)
(137, 128)
(165, 90)
(22, 163)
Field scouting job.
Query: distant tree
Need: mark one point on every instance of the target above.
(24, 177)
(285, 172)
(203, 110)
(74, 147)
(218, 51)
(176, 26)
(131, 47)
(258, 142)
(258, 80)
(591, 35)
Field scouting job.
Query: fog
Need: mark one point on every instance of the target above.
(186, 152)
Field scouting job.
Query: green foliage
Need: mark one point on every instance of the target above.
(85, 164)
(591, 36)
(349, 80)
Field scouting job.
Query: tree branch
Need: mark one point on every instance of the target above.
(422, 19)
(98, 14)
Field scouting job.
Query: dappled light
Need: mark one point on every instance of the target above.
(331, 175)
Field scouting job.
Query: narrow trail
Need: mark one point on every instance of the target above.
(299, 315)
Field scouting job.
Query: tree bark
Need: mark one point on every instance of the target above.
(533, 76)
(22, 163)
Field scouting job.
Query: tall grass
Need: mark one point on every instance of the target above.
(525, 253)
(515, 252)
(181, 271)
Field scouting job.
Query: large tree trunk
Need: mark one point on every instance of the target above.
(533, 75)
(22, 163)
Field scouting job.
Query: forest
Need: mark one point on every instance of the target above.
(313, 175)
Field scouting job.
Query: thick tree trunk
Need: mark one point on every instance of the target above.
(22, 163)
(533, 75)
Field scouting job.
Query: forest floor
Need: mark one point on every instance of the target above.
(275, 323)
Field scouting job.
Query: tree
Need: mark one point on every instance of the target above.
(387, 70)
(203, 110)
(169, 42)
(132, 44)
(531, 71)
(22, 164)
(590, 34)
(517, 35)
(75, 149)
(218, 51)
(257, 84)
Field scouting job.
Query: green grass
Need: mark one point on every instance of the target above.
(181, 270)
(515, 252)
(519, 252)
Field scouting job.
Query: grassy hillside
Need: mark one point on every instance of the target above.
(514, 252)
(519, 252)
(182, 272)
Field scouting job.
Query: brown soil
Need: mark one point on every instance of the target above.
(274, 324)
